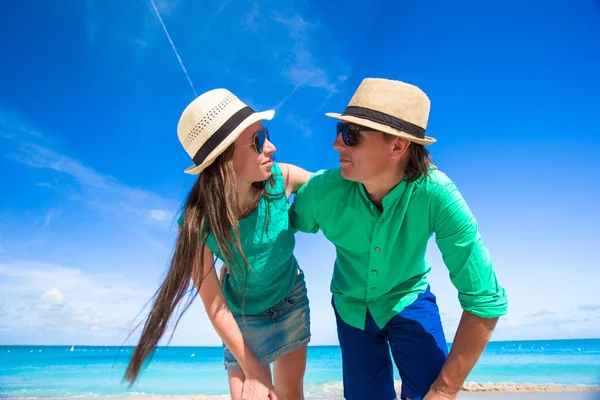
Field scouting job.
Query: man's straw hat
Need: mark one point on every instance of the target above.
(389, 106)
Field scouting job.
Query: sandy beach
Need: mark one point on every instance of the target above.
(530, 395)
(564, 395)
(470, 392)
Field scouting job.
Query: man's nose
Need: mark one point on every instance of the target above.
(339, 144)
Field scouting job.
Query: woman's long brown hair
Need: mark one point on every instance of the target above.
(210, 206)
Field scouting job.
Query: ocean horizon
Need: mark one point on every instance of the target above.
(90, 371)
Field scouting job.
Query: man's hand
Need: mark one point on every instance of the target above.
(433, 394)
(258, 389)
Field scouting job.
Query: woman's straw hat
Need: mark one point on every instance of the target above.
(211, 123)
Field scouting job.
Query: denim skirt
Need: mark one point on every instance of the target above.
(277, 331)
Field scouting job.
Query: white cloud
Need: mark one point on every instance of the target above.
(160, 215)
(166, 7)
(253, 18)
(12, 126)
(99, 191)
(546, 326)
(301, 67)
(301, 124)
(53, 304)
(85, 301)
(296, 25)
(508, 322)
(542, 313)
(53, 296)
(296, 47)
(588, 307)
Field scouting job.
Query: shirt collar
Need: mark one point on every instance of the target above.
(389, 198)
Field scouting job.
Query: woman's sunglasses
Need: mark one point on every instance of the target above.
(350, 132)
(258, 140)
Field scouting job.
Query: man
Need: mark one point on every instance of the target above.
(379, 209)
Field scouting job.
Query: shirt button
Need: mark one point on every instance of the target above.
(377, 249)
(373, 288)
(374, 271)
(380, 219)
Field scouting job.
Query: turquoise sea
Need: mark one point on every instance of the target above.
(76, 371)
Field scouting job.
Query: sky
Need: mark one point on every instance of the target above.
(92, 170)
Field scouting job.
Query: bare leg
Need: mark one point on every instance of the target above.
(236, 381)
(289, 375)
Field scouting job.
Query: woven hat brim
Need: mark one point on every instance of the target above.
(228, 141)
(426, 141)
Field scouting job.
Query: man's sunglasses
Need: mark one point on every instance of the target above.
(350, 132)
(258, 140)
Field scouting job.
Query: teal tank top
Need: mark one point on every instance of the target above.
(268, 243)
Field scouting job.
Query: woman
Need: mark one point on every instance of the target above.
(237, 210)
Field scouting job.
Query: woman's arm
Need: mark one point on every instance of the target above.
(294, 177)
(226, 327)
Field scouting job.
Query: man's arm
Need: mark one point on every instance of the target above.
(294, 177)
(303, 212)
(482, 299)
(469, 342)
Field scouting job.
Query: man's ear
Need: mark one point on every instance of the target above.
(400, 147)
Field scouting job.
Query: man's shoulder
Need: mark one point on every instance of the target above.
(435, 181)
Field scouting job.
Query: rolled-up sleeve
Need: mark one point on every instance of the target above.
(303, 216)
(465, 255)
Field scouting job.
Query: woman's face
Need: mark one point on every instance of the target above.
(250, 165)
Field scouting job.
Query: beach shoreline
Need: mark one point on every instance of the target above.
(472, 391)
(471, 395)
(525, 387)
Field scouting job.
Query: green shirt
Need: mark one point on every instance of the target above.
(268, 244)
(380, 256)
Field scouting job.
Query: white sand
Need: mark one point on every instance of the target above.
(563, 393)
(463, 395)
(471, 391)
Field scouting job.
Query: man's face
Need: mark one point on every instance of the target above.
(369, 158)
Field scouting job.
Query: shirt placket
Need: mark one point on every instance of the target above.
(376, 255)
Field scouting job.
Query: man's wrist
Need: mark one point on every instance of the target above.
(446, 386)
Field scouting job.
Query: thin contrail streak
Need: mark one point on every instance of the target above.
(174, 49)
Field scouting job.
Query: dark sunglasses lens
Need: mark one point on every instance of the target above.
(343, 130)
(352, 135)
(349, 133)
(259, 140)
